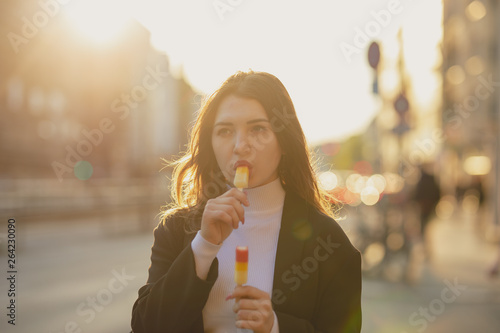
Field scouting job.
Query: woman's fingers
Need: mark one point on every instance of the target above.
(249, 292)
(251, 304)
(227, 206)
(250, 298)
(223, 214)
(250, 315)
(239, 195)
(253, 309)
(235, 204)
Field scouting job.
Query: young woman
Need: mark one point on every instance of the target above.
(303, 273)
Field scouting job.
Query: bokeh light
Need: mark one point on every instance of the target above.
(470, 202)
(351, 182)
(475, 11)
(83, 170)
(394, 182)
(373, 255)
(474, 65)
(446, 207)
(370, 195)
(477, 165)
(36, 101)
(328, 180)
(363, 167)
(302, 230)
(330, 149)
(350, 198)
(377, 181)
(356, 183)
(455, 75)
(395, 241)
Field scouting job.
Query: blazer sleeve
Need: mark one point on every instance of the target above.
(173, 298)
(339, 308)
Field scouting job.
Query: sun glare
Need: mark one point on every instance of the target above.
(99, 21)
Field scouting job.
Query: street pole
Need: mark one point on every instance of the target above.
(496, 64)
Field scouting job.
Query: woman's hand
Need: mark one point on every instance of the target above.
(253, 309)
(222, 215)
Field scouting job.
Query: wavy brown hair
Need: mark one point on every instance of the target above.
(197, 176)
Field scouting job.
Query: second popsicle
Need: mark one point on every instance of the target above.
(241, 265)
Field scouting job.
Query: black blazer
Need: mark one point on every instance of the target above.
(317, 277)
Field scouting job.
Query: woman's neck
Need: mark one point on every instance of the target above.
(265, 197)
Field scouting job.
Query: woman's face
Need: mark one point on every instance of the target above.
(242, 135)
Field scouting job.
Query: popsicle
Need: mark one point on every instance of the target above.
(241, 265)
(241, 177)
(241, 273)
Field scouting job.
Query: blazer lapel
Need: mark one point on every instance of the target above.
(290, 245)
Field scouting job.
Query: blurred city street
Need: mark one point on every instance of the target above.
(85, 275)
(399, 102)
(79, 275)
(459, 254)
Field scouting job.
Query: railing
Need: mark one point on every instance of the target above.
(50, 198)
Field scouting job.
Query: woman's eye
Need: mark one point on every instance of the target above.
(223, 131)
(258, 128)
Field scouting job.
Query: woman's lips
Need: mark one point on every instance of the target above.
(242, 163)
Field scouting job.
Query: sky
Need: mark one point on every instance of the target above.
(316, 48)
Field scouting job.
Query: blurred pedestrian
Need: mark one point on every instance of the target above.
(476, 187)
(427, 195)
(303, 273)
(476, 191)
(493, 272)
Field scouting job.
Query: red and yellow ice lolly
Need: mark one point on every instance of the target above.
(241, 266)
(241, 177)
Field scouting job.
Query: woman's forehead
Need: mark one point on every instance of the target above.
(233, 108)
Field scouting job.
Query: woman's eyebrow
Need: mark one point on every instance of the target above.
(226, 123)
(257, 121)
(223, 123)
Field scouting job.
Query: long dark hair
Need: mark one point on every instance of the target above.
(197, 176)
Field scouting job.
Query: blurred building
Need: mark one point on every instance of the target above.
(471, 115)
(407, 92)
(84, 125)
(63, 99)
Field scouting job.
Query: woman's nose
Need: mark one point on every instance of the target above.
(242, 144)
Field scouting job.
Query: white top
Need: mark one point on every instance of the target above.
(260, 233)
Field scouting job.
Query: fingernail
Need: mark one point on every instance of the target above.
(229, 297)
